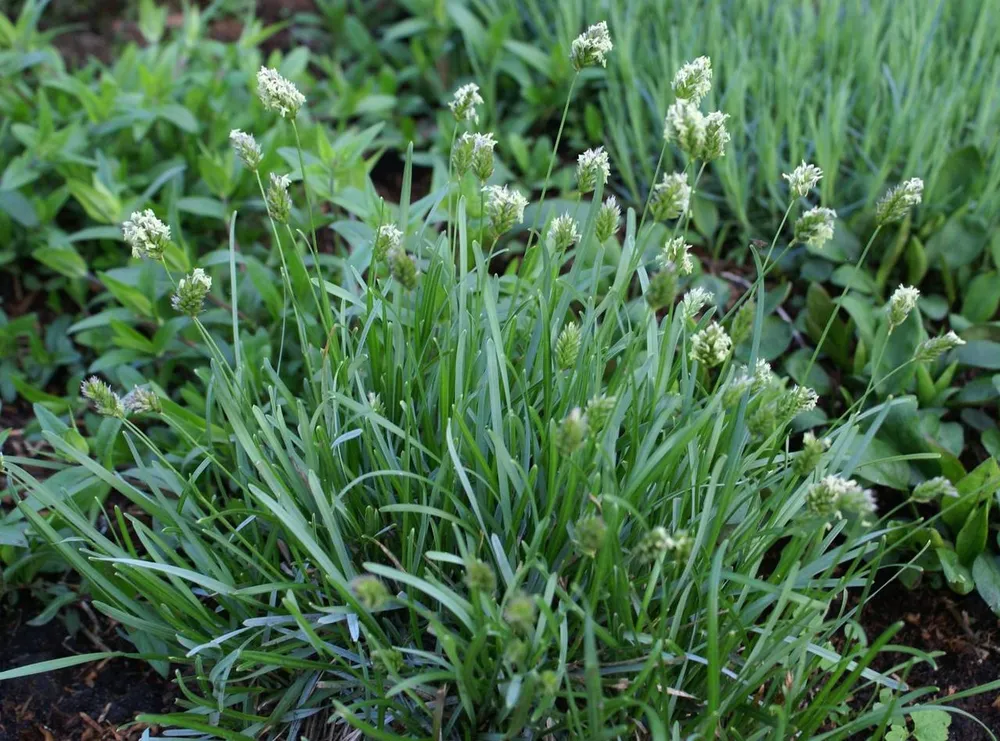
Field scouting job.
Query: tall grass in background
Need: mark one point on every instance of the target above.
(866, 89)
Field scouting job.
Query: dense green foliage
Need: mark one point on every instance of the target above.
(459, 478)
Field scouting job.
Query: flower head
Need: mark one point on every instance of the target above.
(763, 376)
(246, 148)
(387, 237)
(563, 232)
(591, 47)
(895, 204)
(375, 403)
(675, 255)
(461, 153)
(592, 167)
(838, 498)
(568, 346)
(659, 542)
(463, 104)
(146, 235)
(662, 287)
(812, 452)
(671, 197)
(716, 136)
(796, 401)
(572, 432)
(589, 534)
(278, 94)
(815, 226)
(608, 219)
(279, 203)
(711, 346)
(504, 207)
(693, 81)
(105, 401)
(935, 347)
(738, 385)
(520, 612)
(803, 179)
(140, 400)
(482, 156)
(933, 489)
(191, 291)
(901, 303)
(370, 592)
(403, 268)
(479, 576)
(599, 410)
(685, 125)
(695, 300)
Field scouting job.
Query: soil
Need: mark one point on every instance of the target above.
(963, 629)
(87, 702)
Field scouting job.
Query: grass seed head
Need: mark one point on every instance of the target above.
(591, 47)
(897, 203)
(146, 235)
(901, 303)
(671, 197)
(592, 168)
(693, 81)
(815, 226)
(246, 148)
(278, 94)
(191, 292)
(803, 179)
(608, 219)
(463, 104)
(711, 346)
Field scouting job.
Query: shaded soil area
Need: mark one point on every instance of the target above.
(963, 629)
(87, 702)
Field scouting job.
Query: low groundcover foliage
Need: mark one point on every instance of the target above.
(489, 489)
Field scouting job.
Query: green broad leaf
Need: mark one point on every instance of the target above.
(857, 279)
(959, 577)
(64, 259)
(930, 725)
(200, 206)
(980, 354)
(705, 215)
(980, 483)
(986, 573)
(959, 242)
(982, 297)
(861, 311)
(100, 203)
(20, 172)
(530, 55)
(934, 306)
(991, 441)
(776, 336)
(971, 540)
(879, 464)
(19, 208)
(179, 116)
(796, 364)
(959, 180)
(127, 295)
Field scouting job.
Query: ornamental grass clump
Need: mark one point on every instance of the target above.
(534, 503)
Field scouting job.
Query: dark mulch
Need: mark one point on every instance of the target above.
(964, 629)
(88, 702)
